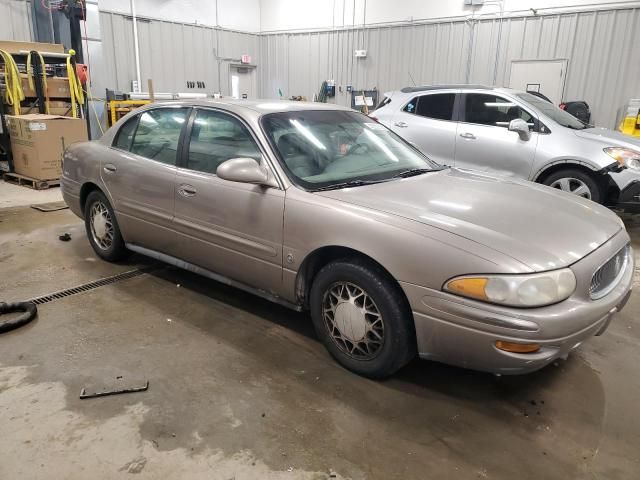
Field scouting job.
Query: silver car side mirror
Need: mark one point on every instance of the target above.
(521, 127)
(245, 170)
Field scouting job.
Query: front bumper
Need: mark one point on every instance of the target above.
(463, 332)
(629, 198)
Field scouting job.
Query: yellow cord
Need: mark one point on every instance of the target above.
(14, 94)
(74, 86)
(30, 77)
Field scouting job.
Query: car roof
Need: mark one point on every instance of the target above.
(256, 106)
(462, 86)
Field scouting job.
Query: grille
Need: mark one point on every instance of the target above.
(608, 275)
(91, 285)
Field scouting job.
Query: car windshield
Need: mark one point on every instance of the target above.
(324, 149)
(554, 113)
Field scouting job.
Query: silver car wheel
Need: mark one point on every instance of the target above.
(353, 320)
(573, 185)
(101, 226)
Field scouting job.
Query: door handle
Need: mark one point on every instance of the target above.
(468, 135)
(187, 190)
(109, 168)
(401, 124)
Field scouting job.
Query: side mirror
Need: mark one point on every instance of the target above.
(244, 170)
(521, 128)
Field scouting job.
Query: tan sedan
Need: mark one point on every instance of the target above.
(318, 207)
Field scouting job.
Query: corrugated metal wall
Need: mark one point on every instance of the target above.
(604, 58)
(15, 20)
(171, 54)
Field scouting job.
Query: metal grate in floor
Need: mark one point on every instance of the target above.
(85, 287)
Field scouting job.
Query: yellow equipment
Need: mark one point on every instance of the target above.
(14, 93)
(119, 108)
(630, 124)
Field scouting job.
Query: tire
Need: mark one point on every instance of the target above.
(573, 180)
(379, 344)
(108, 246)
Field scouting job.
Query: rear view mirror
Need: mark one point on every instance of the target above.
(521, 128)
(244, 170)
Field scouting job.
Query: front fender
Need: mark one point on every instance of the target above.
(410, 251)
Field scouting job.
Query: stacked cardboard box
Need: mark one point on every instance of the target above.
(38, 142)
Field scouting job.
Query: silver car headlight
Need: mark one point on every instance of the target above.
(532, 290)
(624, 156)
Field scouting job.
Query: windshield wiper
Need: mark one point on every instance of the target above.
(414, 171)
(350, 183)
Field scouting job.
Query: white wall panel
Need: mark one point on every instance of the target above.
(603, 63)
(15, 20)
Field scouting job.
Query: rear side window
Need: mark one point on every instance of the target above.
(158, 133)
(485, 109)
(125, 135)
(438, 106)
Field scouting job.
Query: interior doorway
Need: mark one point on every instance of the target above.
(543, 76)
(242, 81)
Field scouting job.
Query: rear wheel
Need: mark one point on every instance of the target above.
(577, 182)
(102, 228)
(362, 318)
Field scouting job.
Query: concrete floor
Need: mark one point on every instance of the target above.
(240, 388)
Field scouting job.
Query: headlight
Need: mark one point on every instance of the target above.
(624, 156)
(535, 290)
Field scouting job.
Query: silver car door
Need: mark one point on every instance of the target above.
(427, 122)
(483, 141)
(233, 229)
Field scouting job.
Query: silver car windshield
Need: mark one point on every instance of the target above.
(326, 149)
(554, 113)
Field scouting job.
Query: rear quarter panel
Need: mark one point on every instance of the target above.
(81, 165)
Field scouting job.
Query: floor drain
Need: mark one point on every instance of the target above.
(85, 287)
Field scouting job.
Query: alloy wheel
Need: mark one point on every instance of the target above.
(102, 229)
(572, 185)
(353, 320)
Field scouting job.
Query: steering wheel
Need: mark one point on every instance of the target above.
(357, 146)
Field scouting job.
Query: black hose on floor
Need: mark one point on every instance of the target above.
(30, 311)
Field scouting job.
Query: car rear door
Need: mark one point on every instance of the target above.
(139, 172)
(427, 121)
(230, 228)
(483, 141)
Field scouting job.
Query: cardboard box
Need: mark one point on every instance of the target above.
(38, 142)
(16, 47)
(55, 108)
(58, 87)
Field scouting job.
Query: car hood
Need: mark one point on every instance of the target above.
(610, 137)
(540, 227)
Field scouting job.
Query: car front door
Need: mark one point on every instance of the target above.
(139, 172)
(484, 142)
(232, 229)
(427, 122)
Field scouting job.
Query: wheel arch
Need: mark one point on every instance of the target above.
(322, 256)
(561, 164)
(85, 190)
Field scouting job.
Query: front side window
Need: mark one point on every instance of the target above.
(323, 149)
(438, 106)
(217, 137)
(486, 109)
(554, 113)
(158, 133)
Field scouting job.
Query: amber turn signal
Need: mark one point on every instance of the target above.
(517, 347)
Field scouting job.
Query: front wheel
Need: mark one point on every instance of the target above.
(362, 318)
(577, 182)
(102, 228)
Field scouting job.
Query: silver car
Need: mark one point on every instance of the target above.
(323, 209)
(513, 133)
